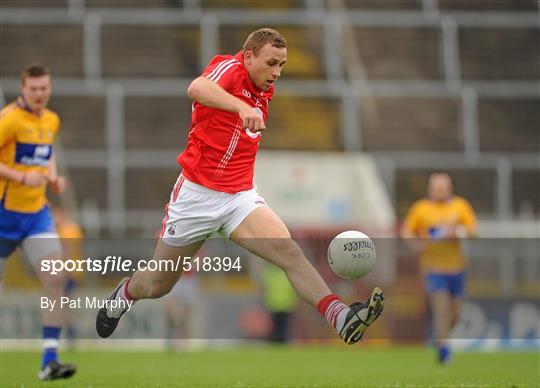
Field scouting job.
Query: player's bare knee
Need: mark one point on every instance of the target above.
(456, 316)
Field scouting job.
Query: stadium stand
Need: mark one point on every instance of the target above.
(400, 53)
(412, 124)
(168, 115)
(150, 51)
(489, 5)
(49, 44)
(468, 92)
(497, 53)
(509, 124)
(35, 3)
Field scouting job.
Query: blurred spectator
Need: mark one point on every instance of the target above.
(178, 306)
(280, 300)
(71, 237)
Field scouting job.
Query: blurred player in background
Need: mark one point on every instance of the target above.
(178, 306)
(215, 191)
(27, 166)
(434, 225)
(71, 237)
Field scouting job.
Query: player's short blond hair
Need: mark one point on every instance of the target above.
(35, 69)
(259, 38)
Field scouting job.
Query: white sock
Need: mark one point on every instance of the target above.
(336, 314)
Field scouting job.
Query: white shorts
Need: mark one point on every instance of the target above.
(195, 212)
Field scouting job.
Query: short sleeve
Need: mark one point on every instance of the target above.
(412, 220)
(466, 214)
(57, 124)
(226, 73)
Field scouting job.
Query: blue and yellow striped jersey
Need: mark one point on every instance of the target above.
(26, 142)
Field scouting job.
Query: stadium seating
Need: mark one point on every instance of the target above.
(489, 5)
(34, 3)
(499, 53)
(90, 183)
(50, 44)
(384, 5)
(81, 128)
(411, 124)
(150, 51)
(400, 53)
(157, 122)
(509, 124)
(146, 181)
(386, 123)
(525, 193)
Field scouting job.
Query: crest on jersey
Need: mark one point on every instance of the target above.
(171, 230)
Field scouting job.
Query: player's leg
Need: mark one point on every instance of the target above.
(145, 284)
(172, 311)
(456, 306)
(263, 233)
(10, 237)
(179, 306)
(440, 307)
(187, 223)
(70, 286)
(457, 294)
(3, 267)
(6, 248)
(39, 247)
(155, 284)
(177, 313)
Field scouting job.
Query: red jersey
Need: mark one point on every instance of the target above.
(220, 153)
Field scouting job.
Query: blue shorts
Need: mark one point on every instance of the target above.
(454, 284)
(16, 226)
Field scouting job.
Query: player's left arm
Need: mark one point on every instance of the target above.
(468, 219)
(467, 225)
(57, 182)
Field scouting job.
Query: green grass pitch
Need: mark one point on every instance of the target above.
(267, 366)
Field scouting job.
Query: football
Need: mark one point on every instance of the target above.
(351, 254)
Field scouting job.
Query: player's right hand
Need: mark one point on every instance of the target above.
(252, 119)
(34, 179)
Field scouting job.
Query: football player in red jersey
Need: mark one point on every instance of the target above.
(215, 191)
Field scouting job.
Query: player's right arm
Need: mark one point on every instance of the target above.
(410, 229)
(7, 135)
(210, 94)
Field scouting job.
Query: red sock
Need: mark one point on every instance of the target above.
(334, 310)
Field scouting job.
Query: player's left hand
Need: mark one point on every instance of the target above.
(58, 184)
(455, 231)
